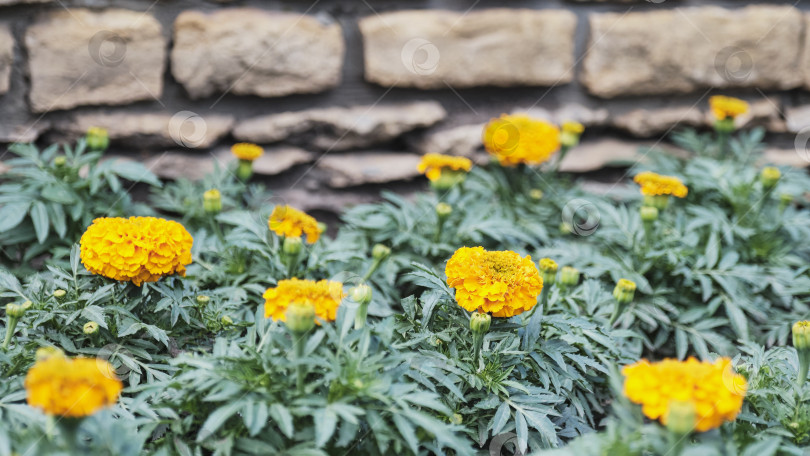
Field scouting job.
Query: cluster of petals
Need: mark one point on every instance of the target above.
(653, 184)
(324, 295)
(519, 139)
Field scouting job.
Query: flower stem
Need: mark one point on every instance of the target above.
(298, 347)
(11, 325)
(360, 316)
(478, 341)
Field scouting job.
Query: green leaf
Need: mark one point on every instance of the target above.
(12, 214)
(217, 419)
(39, 215)
(325, 424)
(283, 419)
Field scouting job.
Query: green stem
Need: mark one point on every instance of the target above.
(360, 316)
(722, 143)
(298, 346)
(617, 310)
(563, 152)
(217, 229)
(804, 366)
(478, 341)
(374, 265)
(648, 235)
(676, 444)
(11, 325)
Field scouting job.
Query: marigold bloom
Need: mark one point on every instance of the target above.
(137, 249)
(714, 388)
(520, 139)
(325, 295)
(432, 165)
(727, 107)
(74, 388)
(503, 283)
(653, 184)
(290, 222)
(247, 151)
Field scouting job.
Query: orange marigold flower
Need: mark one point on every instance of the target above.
(519, 139)
(137, 249)
(727, 107)
(653, 184)
(74, 388)
(432, 165)
(247, 151)
(325, 295)
(503, 283)
(290, 222)
(714, 389)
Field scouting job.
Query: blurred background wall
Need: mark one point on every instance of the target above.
(346, 94)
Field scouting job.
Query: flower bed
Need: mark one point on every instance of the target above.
(506, 311)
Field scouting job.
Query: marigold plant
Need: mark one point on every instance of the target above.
(519, 139)
(325, 295)
(653, 184)
(714, 389)
(73, 388)
(291, 222)
(137, 249)
(432, 165)
(727, 107)
(247, 151)
(503, 283)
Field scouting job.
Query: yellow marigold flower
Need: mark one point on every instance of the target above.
(247, 151)
(432, 165)
(71, 387)
(727, 107)
(653, 184)
(503, 283)
(714, 388)
(325, 295)
(137, 249)
(520, 139)
(290, 222)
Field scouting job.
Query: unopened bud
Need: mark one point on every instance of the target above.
(212, 201)
(60, 161)
(380, 252)
(659, 202)
(448, 179)
(770, 177)
(625, 291)
(59, 293)
(479, 322)
(26, 305)
(457, 418)
(90, 327)
(300, 317)
(536, 194)
(570, 133)
(548, 271)
(648, 214)
(569, 276)
(681, 417)
(361, 294)
(292, 246)
(14, 310)
(801, 335)
(203, 300)
(44, 353)
(443, 210)
(226, 320)
(97, 139)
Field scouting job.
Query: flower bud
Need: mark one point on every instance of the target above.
(97, 139)
(59, 293)
(443, 210)
(26, 305)
(90, 327)
(801, 341)
(226, 320)
(681, 417)
(14, 310)
(44, 353)
(724, 125)
(244, 170)
(203, 300)
(456, 418)
(569, 277)
(212, 201)
(361, 294)
(570, 133)
(292, 246)
(566, 228)
(479, 322)
(60, 161)
(300, 317)
(659, 202)
(548, 271)
(536, 194)
(322, 227)
(769, 177)
(380, 252)
(649, 214)
(448, 179)
(625, 291)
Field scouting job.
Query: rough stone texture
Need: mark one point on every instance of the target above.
(765, 113)
(6, 58)
(22, 132)
(368, 168)
(80, 57)
(15, 2)
(250, 51)
(194, 166)
(494, 47)
(650, 122)
(682, 50)
(335, 202)
(142, 130)
(591, 156)
(797, 118)
(341, 128)
(275, 160)
(805, 61)
(786, 157)
(464, 140)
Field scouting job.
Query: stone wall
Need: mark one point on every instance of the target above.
(346, 94)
